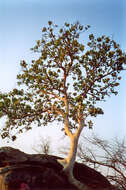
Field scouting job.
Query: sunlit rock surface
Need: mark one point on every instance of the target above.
(42, 172)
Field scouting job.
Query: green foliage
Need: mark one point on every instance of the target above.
(83, 74)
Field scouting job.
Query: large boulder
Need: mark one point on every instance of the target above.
(40, 171)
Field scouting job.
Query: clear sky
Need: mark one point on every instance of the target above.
(20, 26)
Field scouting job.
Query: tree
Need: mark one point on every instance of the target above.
(64, 84)
(44, 147)
(111, 155)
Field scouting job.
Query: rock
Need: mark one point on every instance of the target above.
(11, 155)
(43, 172)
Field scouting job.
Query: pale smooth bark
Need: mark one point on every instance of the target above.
(68, 163)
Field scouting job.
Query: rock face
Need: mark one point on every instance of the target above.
(39, 171)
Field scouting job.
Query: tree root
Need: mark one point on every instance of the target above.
(69, 173)
(73, 181)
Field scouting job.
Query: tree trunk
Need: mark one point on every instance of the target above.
(70, 160)
(68, 164)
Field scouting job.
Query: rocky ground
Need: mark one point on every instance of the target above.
(43, 172)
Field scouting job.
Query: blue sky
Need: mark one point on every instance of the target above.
(20, 27)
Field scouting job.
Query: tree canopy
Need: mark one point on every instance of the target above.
(66, 77)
